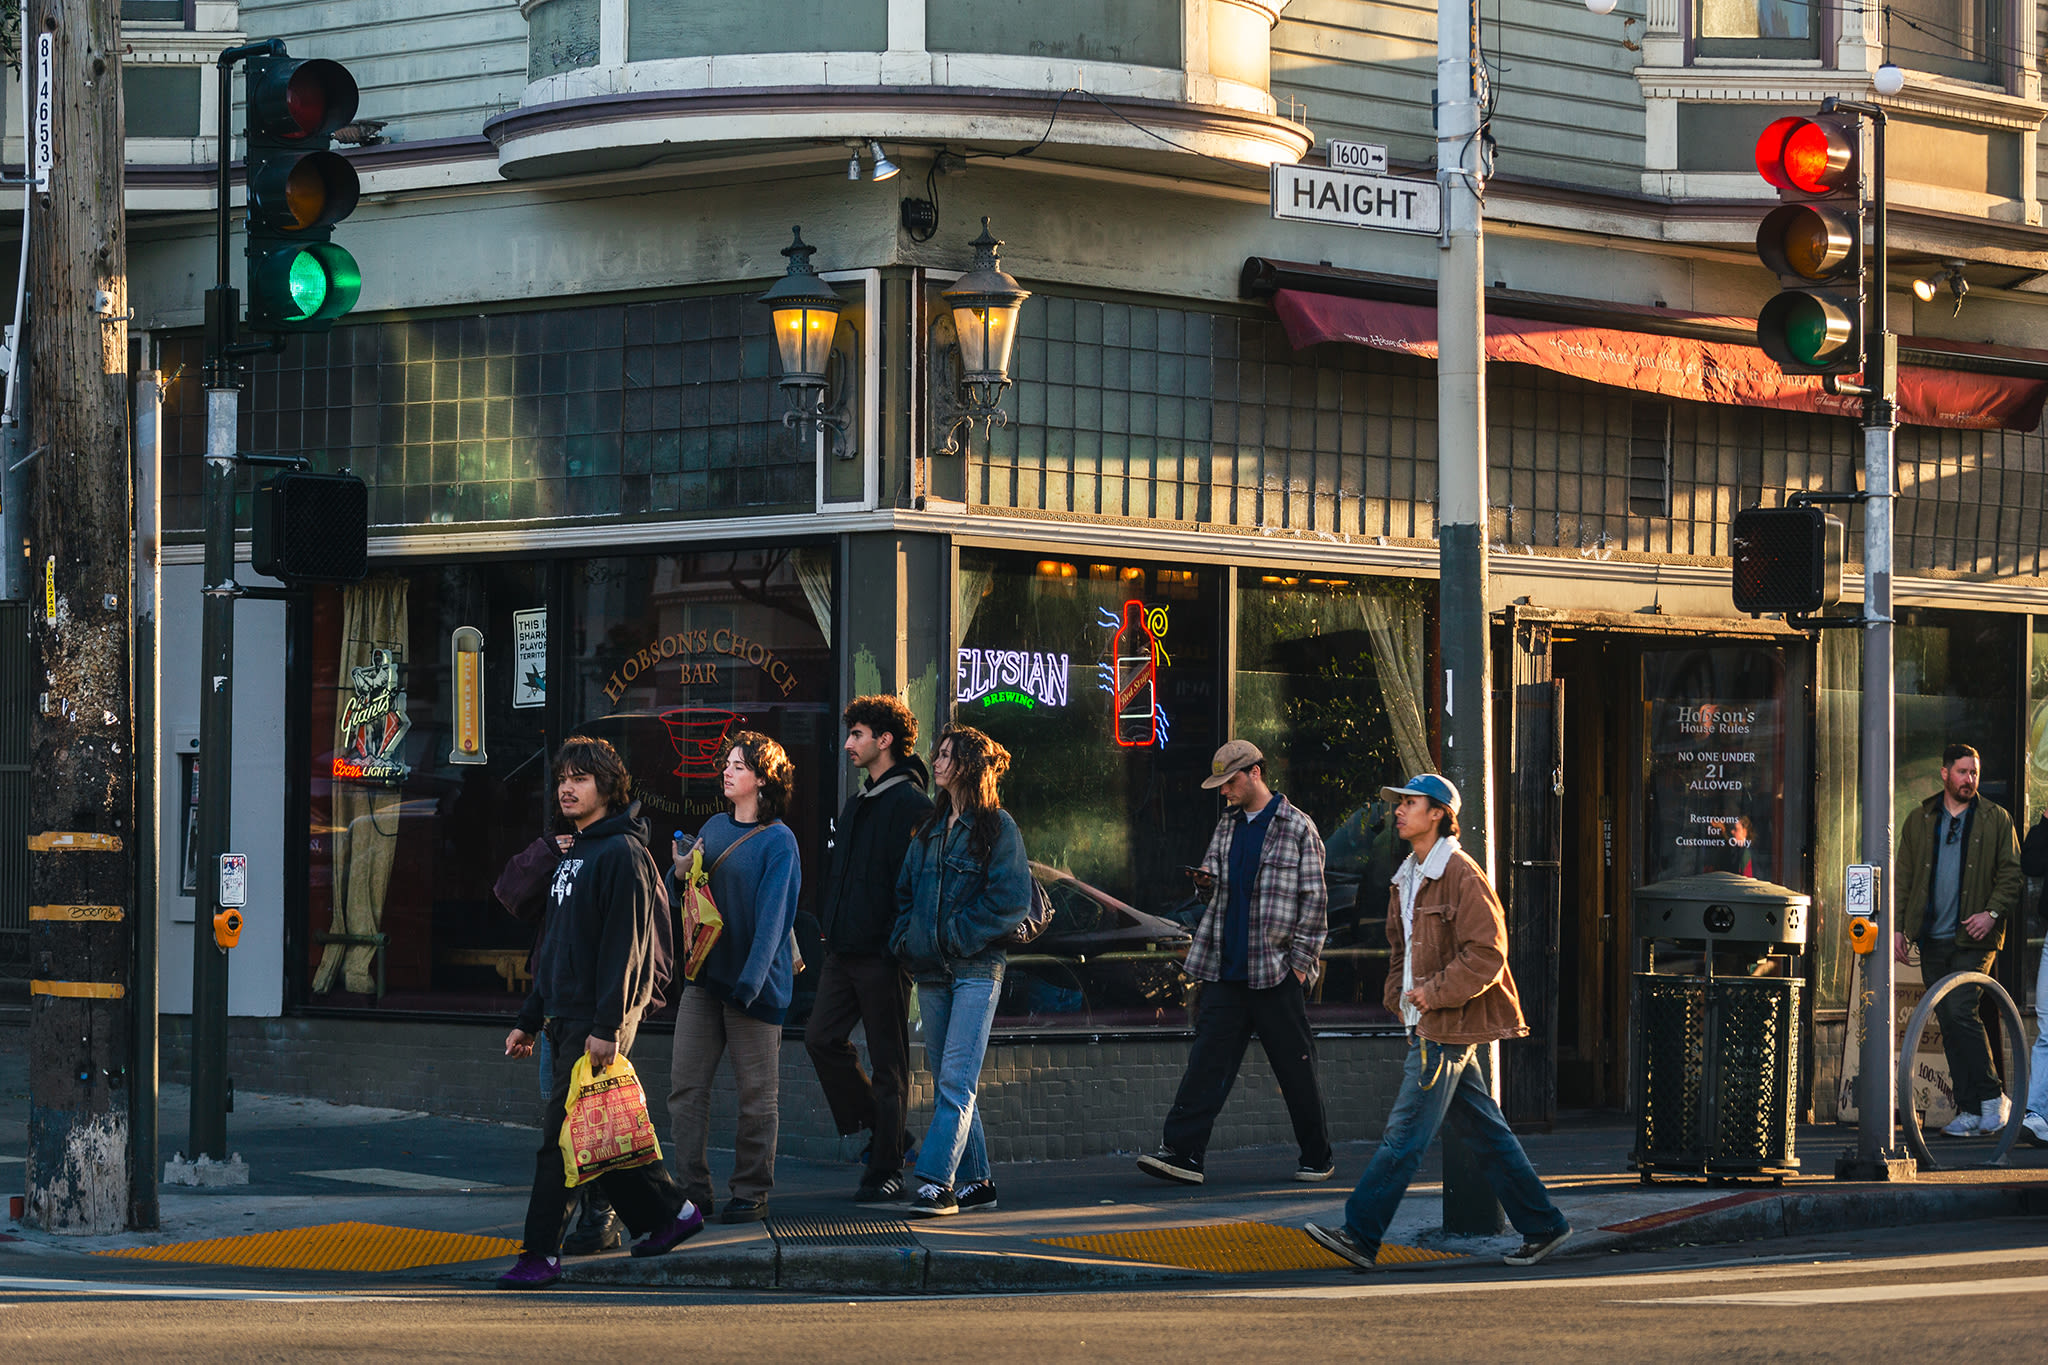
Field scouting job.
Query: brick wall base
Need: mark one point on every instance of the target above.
(1041, 1101)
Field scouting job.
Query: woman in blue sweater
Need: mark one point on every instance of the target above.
(741, 994)
(965, 884)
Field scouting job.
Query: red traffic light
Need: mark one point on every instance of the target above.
(1806, 155)
(291, 100)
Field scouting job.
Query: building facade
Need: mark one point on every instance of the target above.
(1214, 484)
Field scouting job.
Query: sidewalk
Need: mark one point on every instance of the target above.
(332, 1183)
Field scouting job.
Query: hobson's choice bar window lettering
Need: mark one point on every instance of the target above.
(1713, 762)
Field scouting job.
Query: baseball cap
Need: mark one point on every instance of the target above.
(1430, 785)
(1233, 757)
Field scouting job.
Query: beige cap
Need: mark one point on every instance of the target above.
(1233, 757)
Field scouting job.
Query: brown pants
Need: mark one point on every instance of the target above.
(706, 1028)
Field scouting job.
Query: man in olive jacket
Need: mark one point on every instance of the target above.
(1447, 977)
(1959, 883)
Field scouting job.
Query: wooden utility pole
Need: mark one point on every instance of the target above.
(80, 515)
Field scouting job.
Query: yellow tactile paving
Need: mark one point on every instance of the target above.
(332, 1246)
(1234, 1247)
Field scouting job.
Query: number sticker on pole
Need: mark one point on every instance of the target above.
(46, 155)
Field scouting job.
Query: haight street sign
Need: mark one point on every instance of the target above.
(1310, 194)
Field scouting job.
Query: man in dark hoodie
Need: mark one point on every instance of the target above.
(606, 954)
(860, 982)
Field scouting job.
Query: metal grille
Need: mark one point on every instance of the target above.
(1721, 1067)
(842, 1232)
(14, 766)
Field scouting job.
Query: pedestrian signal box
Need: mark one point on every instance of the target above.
(312, 528)
(1787, 559)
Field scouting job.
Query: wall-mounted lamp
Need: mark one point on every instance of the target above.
(1928, 287)
(982, 315)
(806, 311)
(884, 168)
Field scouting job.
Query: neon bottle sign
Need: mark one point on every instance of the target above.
(1134, 705)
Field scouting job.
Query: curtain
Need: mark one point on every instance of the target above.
(814, 572)
(1399, 653)
(365, 818)
(974, 581)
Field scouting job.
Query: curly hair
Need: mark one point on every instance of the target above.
(596, 758)
(884, 715)
(766, 760)
(978, 764)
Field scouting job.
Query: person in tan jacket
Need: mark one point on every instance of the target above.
(1447, 977)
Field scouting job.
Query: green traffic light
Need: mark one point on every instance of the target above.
(308, 286)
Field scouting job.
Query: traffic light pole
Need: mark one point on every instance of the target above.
(1877, 1156)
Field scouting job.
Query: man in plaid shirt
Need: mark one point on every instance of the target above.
(1257, 948)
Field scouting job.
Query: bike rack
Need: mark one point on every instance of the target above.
(2016, 1076)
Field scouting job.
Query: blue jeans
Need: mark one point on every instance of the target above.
(2037, 1067)
(957, 1015)
(1447, 1086)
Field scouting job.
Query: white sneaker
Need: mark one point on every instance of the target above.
(1996, 1112)
(2034, 1129)
(1963, 1125)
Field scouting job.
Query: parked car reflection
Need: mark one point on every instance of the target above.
(1101, 963)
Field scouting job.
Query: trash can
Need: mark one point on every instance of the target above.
(1715, 999)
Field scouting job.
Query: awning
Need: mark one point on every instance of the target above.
(1674, 366)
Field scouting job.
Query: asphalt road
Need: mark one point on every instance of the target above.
(1972, 1291)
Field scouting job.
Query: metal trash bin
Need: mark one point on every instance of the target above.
(1715, 999)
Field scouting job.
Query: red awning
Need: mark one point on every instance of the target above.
(1676, 367)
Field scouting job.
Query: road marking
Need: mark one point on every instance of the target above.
(399, 1180)
(13, 1160)
(1393, 1286)
(13, 1284)
(1862, 1293)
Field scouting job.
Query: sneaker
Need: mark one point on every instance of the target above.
(532, 1272)
(1342, 1243)
(1963, 1125)
(686, 1225)
(1315, 1175)
(979, 1195)
(1995, 1115)
(1534, 1249)
(597, 1229)
(880, 1191)
(1167, 1164)
(933, 1201)
(738, 1210)
(2034, 1129)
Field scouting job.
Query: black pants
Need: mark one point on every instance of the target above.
(1972, 1070)
(1229, 1014)
(646, 1197)
(873, 991)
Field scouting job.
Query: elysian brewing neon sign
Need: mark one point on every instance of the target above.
(1042, 677)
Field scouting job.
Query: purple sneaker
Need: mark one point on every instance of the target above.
(532, 1272)
(687, 1224)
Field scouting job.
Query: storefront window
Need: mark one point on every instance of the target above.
(428, 772)
(1331, 687)
(1102, 678)
(1714, 763)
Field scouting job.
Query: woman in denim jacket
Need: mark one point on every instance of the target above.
(965, 884)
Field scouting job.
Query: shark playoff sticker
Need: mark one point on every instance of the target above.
(373, 724)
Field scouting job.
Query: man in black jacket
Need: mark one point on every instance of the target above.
(607, 952)
(860, 982)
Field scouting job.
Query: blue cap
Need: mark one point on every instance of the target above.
(1431, 785)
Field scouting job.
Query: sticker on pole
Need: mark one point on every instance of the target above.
(234, 879)
(1859, 890)
(44, 103)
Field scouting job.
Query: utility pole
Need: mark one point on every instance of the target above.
(79, 507)
(1469, 1206)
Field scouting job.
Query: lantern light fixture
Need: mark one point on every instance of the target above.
(806, 318)
(981, 308)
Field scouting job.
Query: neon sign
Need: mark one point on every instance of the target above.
(1131, 677)
(1041, 677)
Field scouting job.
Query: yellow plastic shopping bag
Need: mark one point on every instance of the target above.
(701, 922)
(606, 1127)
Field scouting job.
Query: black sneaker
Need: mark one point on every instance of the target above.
(979, 1195)
(933, 1201)
(880, 1191)
(597, 1229)
(1315, 1175)
(1535, 1249)
(1167, 1164)
(1340, 1241)
(743, 1211)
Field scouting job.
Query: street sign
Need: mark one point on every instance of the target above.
(1309, 194)
(234, 879)
(1368, 157)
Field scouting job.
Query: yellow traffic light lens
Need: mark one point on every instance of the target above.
(305, 193)
(1812, 241)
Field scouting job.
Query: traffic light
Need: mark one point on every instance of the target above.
(1813, 241)
(299, 280)
(1787, 559)
(311, 528)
